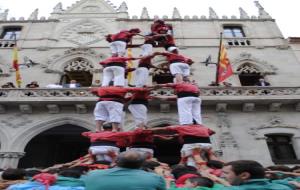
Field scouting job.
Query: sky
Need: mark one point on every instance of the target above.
(286, 12)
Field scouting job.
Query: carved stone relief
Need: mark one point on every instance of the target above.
(253, 64)
(274, 123)
(16, 121)
(85, 32)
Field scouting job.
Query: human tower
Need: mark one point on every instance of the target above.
(114, 95)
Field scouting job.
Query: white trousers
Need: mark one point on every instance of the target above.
(108, 111)
(139, 113)
(115, 74)
(180, 68)
(147, 49)
(141, 76)
(118, 47)
(101, 152)
(189, 108)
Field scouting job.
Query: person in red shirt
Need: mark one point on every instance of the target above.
(142, 71)
(139, 107)
(179, 65)
(188, 102)
(109, 107)
(105, 145)
(193, 138)
(120, 40)
(114, 70)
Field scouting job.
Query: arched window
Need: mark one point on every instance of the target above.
(78, 69)
(281, 148)
(249, 75)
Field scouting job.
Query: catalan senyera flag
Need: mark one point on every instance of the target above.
(16, 66)
(225, 69)
(129, 65)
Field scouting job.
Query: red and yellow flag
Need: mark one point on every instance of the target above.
(225, 69)
(16, 67)
(129, 65)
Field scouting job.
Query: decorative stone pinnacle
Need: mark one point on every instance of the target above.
(3, 16)
(243, 14)
(145, 14)
(212, 13)
(123, 7)
(58, 8)
(34, 15)
(176, 14)
(261, 11)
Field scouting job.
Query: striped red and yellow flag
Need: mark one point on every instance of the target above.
(225, 69)
(16, 67)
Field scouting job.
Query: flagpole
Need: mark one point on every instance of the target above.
(218, 62)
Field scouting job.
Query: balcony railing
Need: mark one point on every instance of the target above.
(207, 93)
(7, 43)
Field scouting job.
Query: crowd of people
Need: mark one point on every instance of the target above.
(105, 167)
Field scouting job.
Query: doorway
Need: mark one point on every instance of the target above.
(58, 145)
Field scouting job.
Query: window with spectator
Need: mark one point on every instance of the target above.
(249, 75)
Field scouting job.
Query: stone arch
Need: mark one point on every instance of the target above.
(58, 63)
(22, 140)
(247, 59)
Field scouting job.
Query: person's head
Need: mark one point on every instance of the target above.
(13, 174)
(215, 164)
(159, 21)
(73, 81)
(34, 82)
(237, 172)
(130, 159)
(135, 30)
(70, 173)
(180, 170)
(150, 165)
(198, 182)
(261, 79)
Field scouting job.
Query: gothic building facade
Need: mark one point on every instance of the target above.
(42, 126)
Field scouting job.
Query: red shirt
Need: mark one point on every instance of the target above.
(173, 58)
(113, 93)
(146, 62)
(123, 35)
(113, 61)
(191, 130)
(184, 87)
(120, 138)
(141, 136)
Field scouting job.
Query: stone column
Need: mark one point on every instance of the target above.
(10, 159)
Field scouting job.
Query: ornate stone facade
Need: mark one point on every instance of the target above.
(73, 40)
